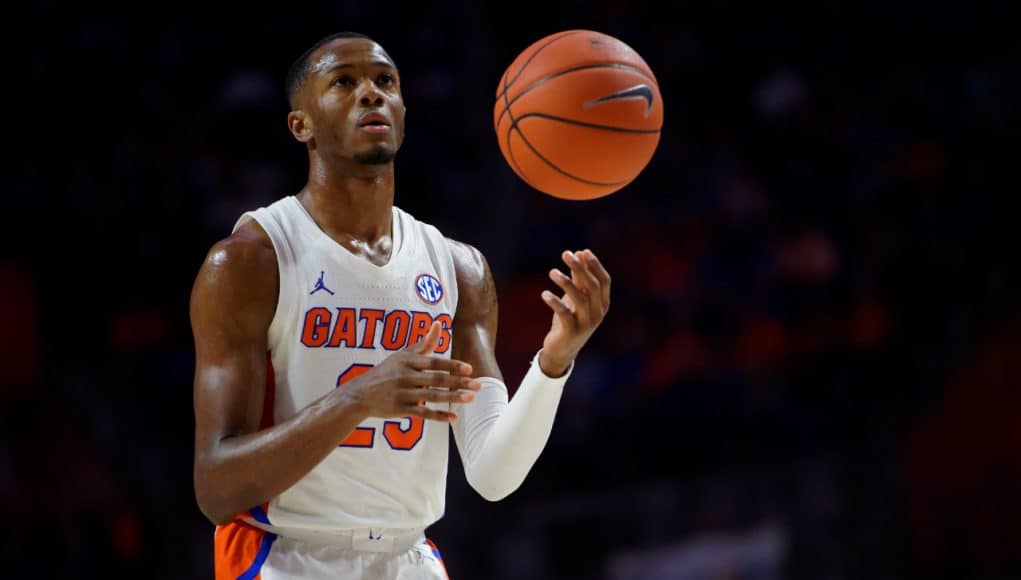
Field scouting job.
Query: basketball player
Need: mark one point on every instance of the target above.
(338, 339)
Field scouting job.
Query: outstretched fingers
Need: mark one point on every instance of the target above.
(578, 299)
(415, 399)
(442, 381)
(556, 304)
(438, 363)
(429, 342)
(439, 395)
(427, 360)
(595, 267)
(586, 281)
(431, 414)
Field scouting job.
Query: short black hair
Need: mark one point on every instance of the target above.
(298, 71)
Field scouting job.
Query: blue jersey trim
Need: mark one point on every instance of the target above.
(260, 558)
(259, 515)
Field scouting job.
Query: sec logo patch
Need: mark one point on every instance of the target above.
(428, 288)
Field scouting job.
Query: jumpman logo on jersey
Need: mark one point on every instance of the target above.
(320, 285)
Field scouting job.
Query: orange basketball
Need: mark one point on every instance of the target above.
(578, 114)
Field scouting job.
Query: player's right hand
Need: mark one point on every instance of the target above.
(406, 380)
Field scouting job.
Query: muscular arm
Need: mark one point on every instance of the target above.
(499, 440)
(237, 466)
(477, 313)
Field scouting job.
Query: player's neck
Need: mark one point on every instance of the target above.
(355, 206)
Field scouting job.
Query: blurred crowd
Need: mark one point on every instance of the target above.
(811, 364)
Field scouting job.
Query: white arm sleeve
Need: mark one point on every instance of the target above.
(500, 441)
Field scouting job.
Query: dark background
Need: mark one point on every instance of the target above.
(811, 367)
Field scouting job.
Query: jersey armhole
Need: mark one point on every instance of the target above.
(285, 270)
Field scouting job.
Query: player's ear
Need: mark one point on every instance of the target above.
(300, 125)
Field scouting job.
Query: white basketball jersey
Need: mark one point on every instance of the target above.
(337, 316)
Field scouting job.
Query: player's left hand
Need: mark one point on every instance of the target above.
(577, 313)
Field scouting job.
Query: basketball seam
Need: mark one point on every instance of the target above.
(517, 120)
(514, 127)
(538, 82)
(510, 152)
(506, 85)
(514, 160)
(521, 172)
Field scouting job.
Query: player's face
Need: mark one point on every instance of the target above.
(353, 94)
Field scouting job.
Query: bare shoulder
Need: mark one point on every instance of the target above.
(241, 270)
(247, 251)
(469, 263)
(474, 279)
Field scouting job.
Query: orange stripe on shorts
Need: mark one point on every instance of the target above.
(439, 558)
(240, 550)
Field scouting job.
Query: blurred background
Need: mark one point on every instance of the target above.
(812, 365)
